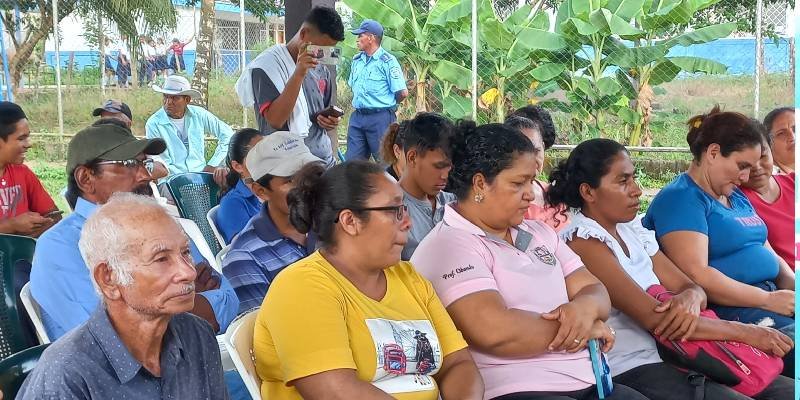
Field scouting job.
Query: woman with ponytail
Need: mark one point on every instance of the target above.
(238, 203)
(597, 181)
(352, 321)
(708, 228)
(392, 149)
(524, 300)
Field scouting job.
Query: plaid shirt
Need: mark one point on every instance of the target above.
(258, 253)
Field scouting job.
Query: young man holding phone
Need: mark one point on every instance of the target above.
(290, 88)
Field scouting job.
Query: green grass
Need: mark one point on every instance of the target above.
(680, 100)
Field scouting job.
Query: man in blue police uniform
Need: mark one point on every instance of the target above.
(377, 82)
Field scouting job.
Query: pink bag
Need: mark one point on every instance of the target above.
(742, 367)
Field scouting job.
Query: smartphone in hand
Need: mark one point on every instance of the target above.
(329, 55)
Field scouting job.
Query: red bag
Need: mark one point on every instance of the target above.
(742, 367)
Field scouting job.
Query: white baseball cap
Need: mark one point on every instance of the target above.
(279, 154)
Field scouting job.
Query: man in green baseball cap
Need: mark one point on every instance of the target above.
(105, 159)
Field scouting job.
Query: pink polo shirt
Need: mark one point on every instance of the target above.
(459, 259)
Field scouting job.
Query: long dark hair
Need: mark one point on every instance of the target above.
(237, 151)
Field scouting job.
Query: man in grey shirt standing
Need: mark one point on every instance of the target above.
(426, 143)
(141, 342)
(284, 75)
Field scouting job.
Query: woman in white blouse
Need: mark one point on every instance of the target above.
(597, 180)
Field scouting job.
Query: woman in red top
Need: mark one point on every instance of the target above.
(772, 196)
(176, 63)
(25, 207)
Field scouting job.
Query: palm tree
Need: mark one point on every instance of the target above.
(205, 46)
(130, 16)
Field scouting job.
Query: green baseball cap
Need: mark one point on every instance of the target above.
(109, 142)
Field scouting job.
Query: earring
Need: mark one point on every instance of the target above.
(478, 198)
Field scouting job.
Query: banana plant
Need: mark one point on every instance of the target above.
(618, 50)
(414, 34)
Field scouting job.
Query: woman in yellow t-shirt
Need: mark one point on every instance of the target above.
(352, 321)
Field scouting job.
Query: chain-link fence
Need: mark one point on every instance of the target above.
(631, 70)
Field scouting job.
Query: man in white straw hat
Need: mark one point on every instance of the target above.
(184, 128)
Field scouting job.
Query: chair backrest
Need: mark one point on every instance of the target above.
(239, 340)
(14, 369)
(212, 221)
(13, 249)
(194, 194)
(191, 230)
(34, 313)
(221, 256)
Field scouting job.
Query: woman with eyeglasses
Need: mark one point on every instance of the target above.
(239, 203)
(524, 300)
(352, 321)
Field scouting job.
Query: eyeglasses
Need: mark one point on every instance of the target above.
(399, 211)
(148, 164)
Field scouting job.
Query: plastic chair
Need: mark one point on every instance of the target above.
(195, 193)
(13, 248)
(34, 312)
(14, 369)
(239, 341)
(221, 255)
(191, 230)
(212, 221)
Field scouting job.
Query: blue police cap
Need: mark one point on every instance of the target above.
(369, 26)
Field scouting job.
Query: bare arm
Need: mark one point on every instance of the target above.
(689, 251)
(401, 95)
(279, 111)
(337, 384)
(785, 279)
(459, 377)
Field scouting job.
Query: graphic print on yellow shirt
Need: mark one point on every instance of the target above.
(408, 354)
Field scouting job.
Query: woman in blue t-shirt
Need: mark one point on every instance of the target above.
(238, 203)
(708, 228)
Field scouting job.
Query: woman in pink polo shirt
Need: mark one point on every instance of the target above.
(523, 300)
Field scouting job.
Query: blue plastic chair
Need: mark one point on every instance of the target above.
(195, 193)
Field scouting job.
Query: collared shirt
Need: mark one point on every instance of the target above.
(529, 275)
(423, 218)
(197, 122)
(92, 362)
(257, 255)
(235, 209)
(61, 284)
(375, 80)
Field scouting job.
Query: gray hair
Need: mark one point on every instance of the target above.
(108, 236)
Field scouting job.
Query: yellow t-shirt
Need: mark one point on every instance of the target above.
(314, 320)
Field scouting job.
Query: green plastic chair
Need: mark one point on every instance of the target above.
(14, 369)
(13, 248)
(195, 193)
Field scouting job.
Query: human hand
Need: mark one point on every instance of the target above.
(681, 315)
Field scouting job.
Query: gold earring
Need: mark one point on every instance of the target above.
(478, 198)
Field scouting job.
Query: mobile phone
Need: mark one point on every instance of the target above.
(325, 54)
(602, 372)
(53, 214)
(332, 111)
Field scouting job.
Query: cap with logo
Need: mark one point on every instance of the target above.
(369, 26)
(113, 106)
(109, 142)
(279, 154)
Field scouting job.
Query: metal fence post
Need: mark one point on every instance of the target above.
(759, 60)
(243, 61)
(56, 40)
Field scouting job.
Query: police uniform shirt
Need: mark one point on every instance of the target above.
(375, 79)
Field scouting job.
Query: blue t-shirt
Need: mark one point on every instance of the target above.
(236, 208)
(736, 235)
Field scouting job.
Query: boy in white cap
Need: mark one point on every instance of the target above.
(269, 242)
(184, 128)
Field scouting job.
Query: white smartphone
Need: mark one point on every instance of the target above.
(329, 55)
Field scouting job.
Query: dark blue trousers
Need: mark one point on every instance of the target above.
(365, 132)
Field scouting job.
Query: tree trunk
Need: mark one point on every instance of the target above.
(205, 45)
(24, 49)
